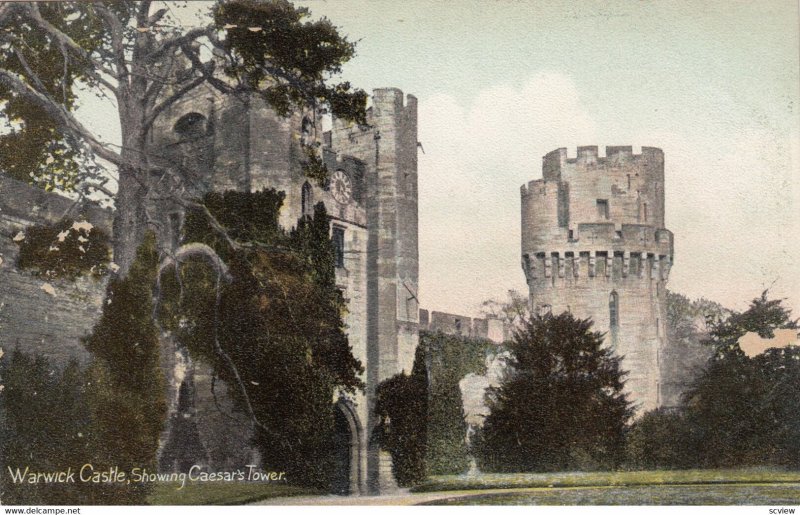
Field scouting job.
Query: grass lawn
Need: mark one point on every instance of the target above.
(221, 493)
(693, 495)
(606, 479)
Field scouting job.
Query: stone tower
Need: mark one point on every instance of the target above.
(594, 244)
(388, 149)
(215, 142)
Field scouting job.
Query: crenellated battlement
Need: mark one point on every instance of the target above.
(553, 163)
(539, 187)
(393, 97)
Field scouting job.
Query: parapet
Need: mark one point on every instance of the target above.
(554, 162)
(539, 187)
(393, 97)
(459, 325)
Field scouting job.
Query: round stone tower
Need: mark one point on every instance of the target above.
(594, 244)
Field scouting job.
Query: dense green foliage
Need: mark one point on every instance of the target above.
(745, 409)
(65, 249)
(562, 408)
(422, 416)
(32, 148)
(274, 333)
(449, 359)
(125, 384)
(289, 57)
(401, 406)
(740, 411)
(661, 439)
(44, 425)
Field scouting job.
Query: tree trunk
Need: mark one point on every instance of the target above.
(130, 220)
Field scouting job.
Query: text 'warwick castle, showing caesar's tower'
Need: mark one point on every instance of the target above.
(594, 244)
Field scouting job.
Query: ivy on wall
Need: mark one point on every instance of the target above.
(431, 394)
(65, 249)
(274, 332)
(449, 359)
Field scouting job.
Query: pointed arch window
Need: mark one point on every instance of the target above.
(307, 200)
(613, 309)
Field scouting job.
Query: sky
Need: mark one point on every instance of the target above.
(715, 84)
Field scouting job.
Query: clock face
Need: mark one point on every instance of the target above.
(341, 187)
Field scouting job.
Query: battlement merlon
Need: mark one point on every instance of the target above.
(554, 162)
(390, 109)
(385, 97)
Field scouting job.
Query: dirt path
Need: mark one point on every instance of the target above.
(402, 498)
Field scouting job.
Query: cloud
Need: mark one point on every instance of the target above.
(475, 160)
(731, 192)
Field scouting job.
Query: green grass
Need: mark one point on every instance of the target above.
(222, 493)
(597, 479)
(693, 495)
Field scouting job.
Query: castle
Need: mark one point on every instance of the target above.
(594, 244)
(210, 142)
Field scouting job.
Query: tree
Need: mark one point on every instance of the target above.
(744, 409)
(562, 407)
(44, 425)
(273, 331)
(402, 430)
(512, 311)
(126, 394)
(128, 52)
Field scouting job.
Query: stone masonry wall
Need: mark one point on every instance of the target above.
(31, 318)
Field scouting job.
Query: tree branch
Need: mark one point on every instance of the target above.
(156, 85)
(156, 17)
(198, 65)
(117, 41)
(166, 103)
(142, 13)
(192, 250)
(170, 44)
(67, 42)
(58, 114)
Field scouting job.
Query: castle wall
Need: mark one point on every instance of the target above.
(448, 323)
(252, 148)
(593, 235)
(30, 318)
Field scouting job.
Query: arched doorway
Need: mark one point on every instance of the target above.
(346, 450)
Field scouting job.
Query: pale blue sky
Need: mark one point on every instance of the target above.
(500, 83)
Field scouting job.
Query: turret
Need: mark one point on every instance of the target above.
(594, 243)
